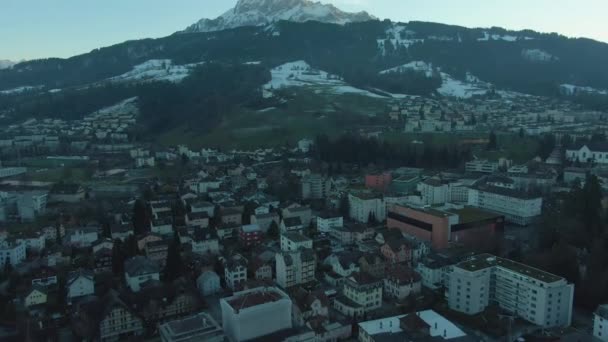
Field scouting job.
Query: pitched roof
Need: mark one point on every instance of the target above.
(140, 265)
(74, 275)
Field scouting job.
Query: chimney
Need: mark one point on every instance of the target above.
(445, 333)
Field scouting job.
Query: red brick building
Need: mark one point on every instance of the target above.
(251, 235)
(470, 227)
(379, 182)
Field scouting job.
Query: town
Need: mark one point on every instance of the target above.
(107, 238)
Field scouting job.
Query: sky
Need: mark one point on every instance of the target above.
(31, 29)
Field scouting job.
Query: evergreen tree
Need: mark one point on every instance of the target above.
(118, 258)
(131, 248)
(344, 206)
(273, 231)
(58, 237)
(493, 143)
(174, 265)
(141, 220)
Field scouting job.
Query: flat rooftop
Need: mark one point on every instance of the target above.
(470, 214)
(483, 261)
(254, 298)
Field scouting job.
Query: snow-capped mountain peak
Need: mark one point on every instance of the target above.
(264, 12)
(5, 64)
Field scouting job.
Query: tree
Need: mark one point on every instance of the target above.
(106, 232)
(118, 258)
(131, 248)
(174, 265)
(273, 231)
(371, 219)
(493, 143)
(58, 236)
(344, 206)
(141, 220)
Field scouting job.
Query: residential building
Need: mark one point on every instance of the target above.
(360, 295)
(600, 323)
(251, 235)
(295, 268)
(118, 321)
(483, 166)
(397, 250)
(588, 153)
(434, 191)
(208, 283)
(293, 241)
(235, 272)
(243, 312)
(80, 283)
(315, 187)
(205, 241)
(380, 182)
(364, 206)
(12, 252)
(420, 326)
(37, 295)
(200, 327)
(518, 207)
(373, 264)
(326, 222)
(536, 296)
(157, 252)
(401, 282)
(291, 224)
(266, 220)
(308, 305)
(31, 204)
(139, 270)
(302, 212)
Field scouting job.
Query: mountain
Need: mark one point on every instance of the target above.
(264, 12)
(5, 64)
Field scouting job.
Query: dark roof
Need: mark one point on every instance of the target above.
(204, 234)
(593, 146)
(73, 276)
(140, 265)
(66, 189)
(292, 221)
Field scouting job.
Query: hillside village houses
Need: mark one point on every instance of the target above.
(140, 241)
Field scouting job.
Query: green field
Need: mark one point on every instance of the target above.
(306, 114)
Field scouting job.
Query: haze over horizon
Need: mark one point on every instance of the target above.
(66, 28)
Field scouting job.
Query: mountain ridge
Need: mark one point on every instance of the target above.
(264, 12)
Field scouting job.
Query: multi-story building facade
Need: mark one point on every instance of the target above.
(533, 295)
(379, 182)
(235, 272)
(591, 152)
(361, 294)
(293, 241)
(600, 323)
(200, 327)
(327, 222)
(256, 313)
(366, 205)
(12, 252)
(518, 207)
(483, 166)
(315, 187)
(295, 268)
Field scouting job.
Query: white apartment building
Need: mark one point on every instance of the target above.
(600, 323)
(360, 295)
(293, 241)
(483, 166)
(592, 152)
(326, 223)
(255, 313)
(315, 187)
(533, 295)
(235, 272)
(517, 207)
(364, 204)
(139, 270)
(434, 191)
(294, 268)
(200, 327)
(12, 253)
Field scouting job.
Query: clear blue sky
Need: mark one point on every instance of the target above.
(61, 28)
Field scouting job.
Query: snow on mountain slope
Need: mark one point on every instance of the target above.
(538, 55)
(414, 66)
(20, 90)
(570, 89)
(398, 36)
(156, 70)
(450, 86)
(300, 74)
(127, 106)
(5, 64)
(264, 12)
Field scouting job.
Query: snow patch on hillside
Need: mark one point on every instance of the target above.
(397, 36)
(472, 86)
(156, 70)
(127, 106)
(488, 37)
(570, 89)
(419, 66)
(537, 55)
(301, 74)
(20, 90)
